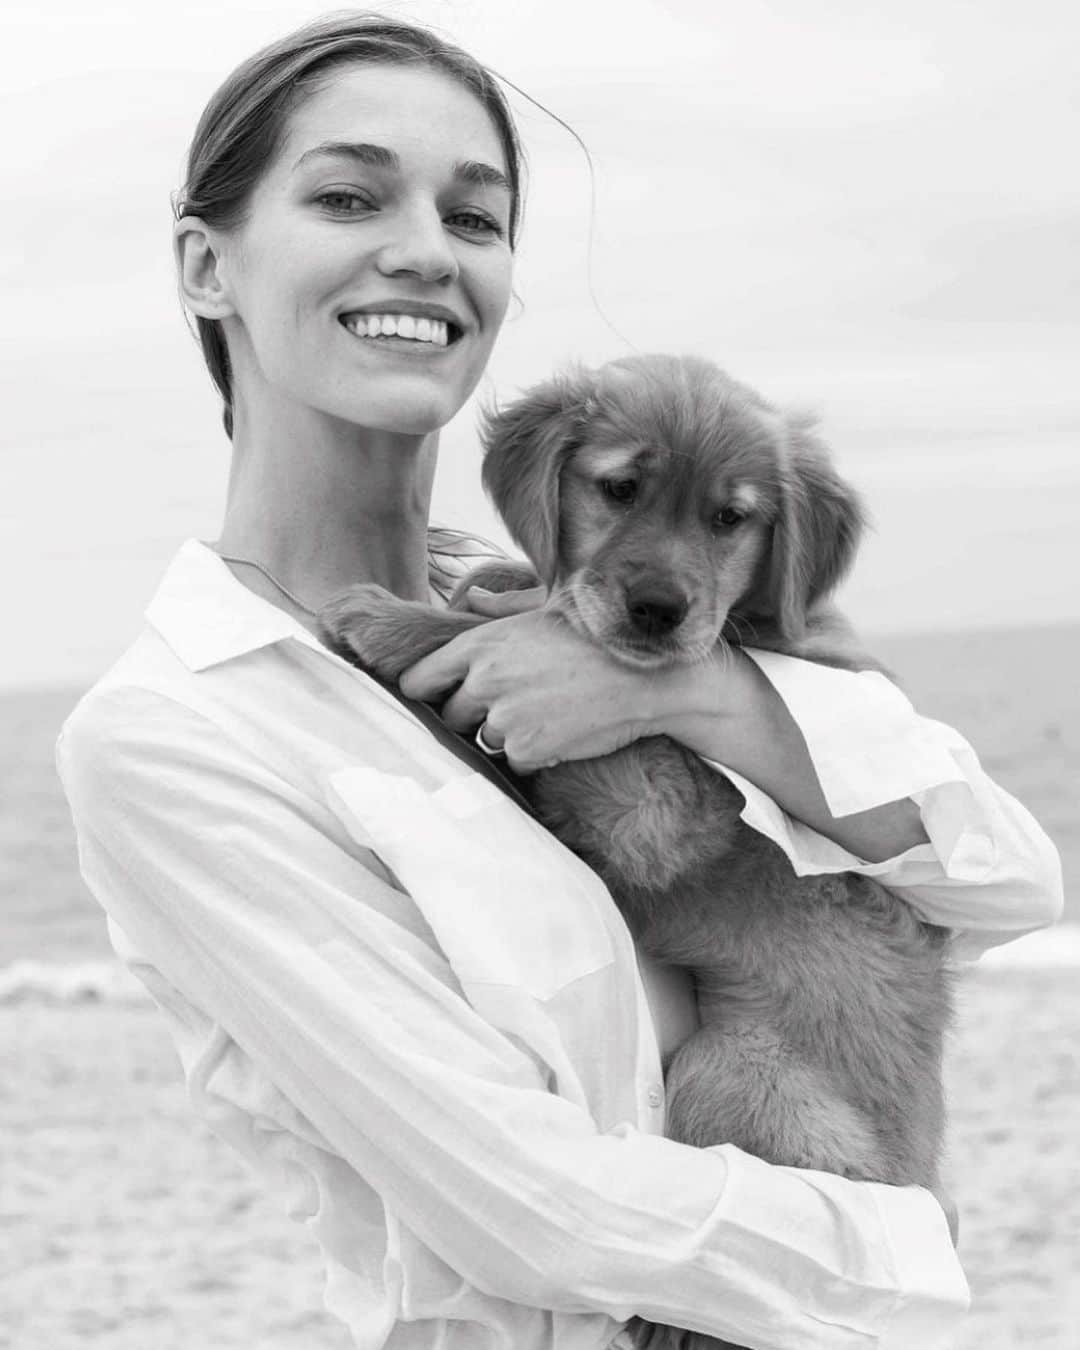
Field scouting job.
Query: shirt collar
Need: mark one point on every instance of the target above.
(207, 616)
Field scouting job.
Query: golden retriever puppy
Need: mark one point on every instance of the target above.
(670, 508)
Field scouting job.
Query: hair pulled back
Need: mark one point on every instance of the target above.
(243, 126)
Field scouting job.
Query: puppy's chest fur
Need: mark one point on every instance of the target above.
(648, 818)
(664, 830)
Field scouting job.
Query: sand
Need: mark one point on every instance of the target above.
(132, 1227)
(130, 1224)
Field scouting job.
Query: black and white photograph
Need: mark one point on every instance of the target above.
(541, 710)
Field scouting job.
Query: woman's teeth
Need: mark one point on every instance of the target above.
(398, 325)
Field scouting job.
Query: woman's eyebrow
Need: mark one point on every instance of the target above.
(376, 156)
(379, 157)
(483, 175)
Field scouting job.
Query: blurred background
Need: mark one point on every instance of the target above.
(866, 209)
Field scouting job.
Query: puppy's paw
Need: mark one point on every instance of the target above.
(369, 625)
(385, 634)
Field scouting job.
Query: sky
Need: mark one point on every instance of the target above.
(868, 209)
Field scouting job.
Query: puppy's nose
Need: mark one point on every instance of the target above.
(655, 610)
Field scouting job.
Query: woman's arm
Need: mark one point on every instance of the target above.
(836, 766)
(727, 711)
(982, 866)
(214, 867)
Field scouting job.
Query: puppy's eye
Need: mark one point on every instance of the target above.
(728, 517)
(621, 490)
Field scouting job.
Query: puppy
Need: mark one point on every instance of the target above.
(669, 509)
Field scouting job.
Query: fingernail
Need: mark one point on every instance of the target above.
(480, 590)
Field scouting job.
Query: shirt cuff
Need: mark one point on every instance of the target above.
(868, 747)
(961, 847)
(937, 1294)
(889, 1246)
(866, 742)
(959, 830)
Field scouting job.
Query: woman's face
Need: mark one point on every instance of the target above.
(387, 201)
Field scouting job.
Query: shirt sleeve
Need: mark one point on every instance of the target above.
(989, 871)
(214, 867)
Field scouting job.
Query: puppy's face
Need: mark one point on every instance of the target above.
(662, 501)
(661, 530)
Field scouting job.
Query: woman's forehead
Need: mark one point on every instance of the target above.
(410, 111)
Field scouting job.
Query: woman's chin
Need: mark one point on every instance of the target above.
(406, 416)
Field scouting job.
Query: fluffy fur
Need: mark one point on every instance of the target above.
(669, 508)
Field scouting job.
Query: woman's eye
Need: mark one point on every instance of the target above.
(621, 490)
(345, 203)
(728, 517)
(476, 222)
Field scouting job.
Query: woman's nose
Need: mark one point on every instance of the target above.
(419, 245)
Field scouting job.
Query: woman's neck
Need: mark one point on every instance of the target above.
(324, 505)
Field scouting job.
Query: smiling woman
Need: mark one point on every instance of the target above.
(355, 234)
(420, 1017)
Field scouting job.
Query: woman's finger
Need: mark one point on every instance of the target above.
(501, 604)
(435, 674)
(463, 712)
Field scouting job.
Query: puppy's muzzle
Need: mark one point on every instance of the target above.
(655, 610)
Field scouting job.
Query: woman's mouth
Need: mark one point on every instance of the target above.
(376, 327)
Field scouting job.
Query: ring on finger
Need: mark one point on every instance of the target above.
(492, 751)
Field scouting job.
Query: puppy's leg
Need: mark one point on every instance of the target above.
(385, 634)
(738, 1083)
(502, 574)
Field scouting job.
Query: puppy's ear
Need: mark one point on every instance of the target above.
(815, 534)
(526, 445)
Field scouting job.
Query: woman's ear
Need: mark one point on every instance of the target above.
(526, 445)
(815, 534)
(199, 269)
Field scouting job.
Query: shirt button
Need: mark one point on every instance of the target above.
(655, 1095)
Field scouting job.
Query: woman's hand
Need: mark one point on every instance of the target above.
(545, 693)
(501, 604)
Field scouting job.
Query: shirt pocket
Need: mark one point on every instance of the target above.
(508, 904)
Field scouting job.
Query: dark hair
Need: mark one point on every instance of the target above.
(244, 124)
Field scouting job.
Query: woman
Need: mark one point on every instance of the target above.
(408, 1005)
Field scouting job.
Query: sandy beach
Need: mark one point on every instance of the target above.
(131, 1226)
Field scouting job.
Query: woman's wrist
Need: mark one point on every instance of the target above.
(696, 703)
(726, 710)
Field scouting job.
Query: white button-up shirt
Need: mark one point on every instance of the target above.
(423, 1020)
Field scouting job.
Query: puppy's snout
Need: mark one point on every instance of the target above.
(655, 610)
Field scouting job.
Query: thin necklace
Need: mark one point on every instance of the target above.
(258, 566)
